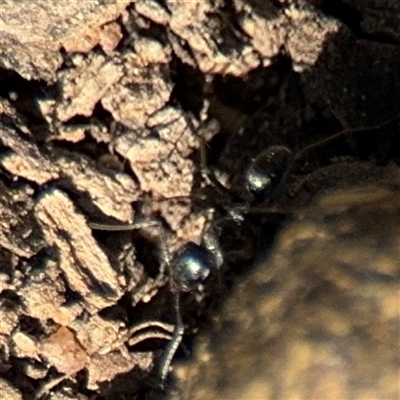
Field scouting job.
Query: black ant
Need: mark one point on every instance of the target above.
(265, 180)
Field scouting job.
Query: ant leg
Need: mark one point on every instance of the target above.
(129, 227)
(46, 387)
(206, 172)
(179, 329)
(174, 342)
(210, 241)
(159, 330)
(139, 225)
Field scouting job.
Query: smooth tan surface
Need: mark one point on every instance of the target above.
(318, 319)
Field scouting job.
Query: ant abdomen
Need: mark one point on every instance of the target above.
(266, 170)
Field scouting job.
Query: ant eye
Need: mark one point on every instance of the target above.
(191, 266)
(266, 170)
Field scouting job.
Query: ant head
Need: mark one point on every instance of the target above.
(266, 171)
(190, 266)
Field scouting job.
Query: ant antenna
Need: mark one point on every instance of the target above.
(293, 159)
(174, 342)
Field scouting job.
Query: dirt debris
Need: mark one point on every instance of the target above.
(8, 391)
(109, 192)
(85, 83)
(34, 33)
(83, 263)
(19, 233)
(43, 296)
(63, 351)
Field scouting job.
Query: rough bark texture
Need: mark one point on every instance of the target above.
(104, 106)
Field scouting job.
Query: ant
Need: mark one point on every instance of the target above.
(265, 180)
